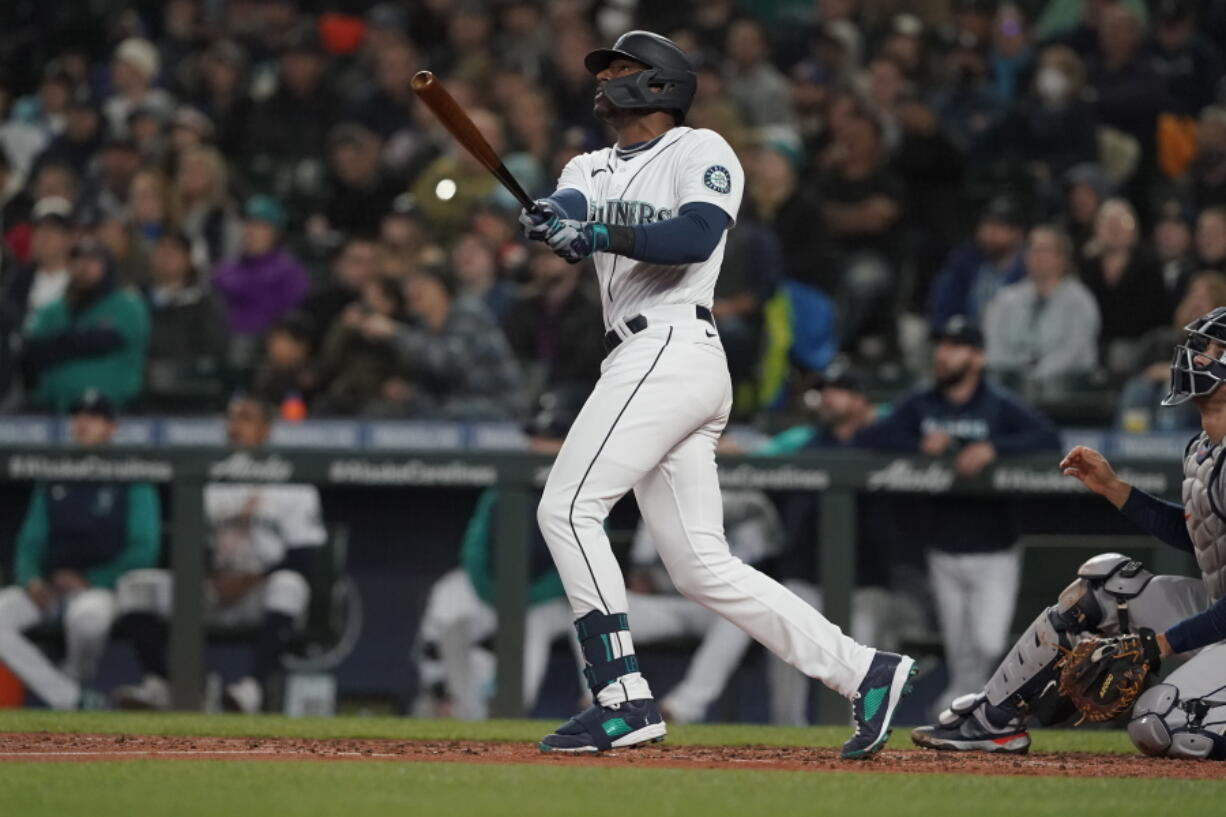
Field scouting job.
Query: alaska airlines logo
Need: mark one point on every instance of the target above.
(242, 466)
(901, 475)
(628, 213)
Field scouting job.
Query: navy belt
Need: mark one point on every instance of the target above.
(638, 323)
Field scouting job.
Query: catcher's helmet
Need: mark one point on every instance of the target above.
(669, 81)
(1195, 372)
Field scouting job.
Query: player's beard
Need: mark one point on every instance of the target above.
(951, 378)
(610, 114)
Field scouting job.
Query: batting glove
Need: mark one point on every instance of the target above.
(576, 240)
(540, 222)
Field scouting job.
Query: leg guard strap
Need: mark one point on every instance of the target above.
(601, 675)
(595, 623)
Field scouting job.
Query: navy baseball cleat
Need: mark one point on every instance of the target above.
(599, 728)
(887, 681)
(964, 727)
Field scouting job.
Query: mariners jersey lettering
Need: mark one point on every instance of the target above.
(650, 184)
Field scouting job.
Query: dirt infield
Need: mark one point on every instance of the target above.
(58, 747)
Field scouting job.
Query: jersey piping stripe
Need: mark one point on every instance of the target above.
(625, 190)
(570, 516)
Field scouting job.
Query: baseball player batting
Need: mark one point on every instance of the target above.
(1114, 596)
(652, 212)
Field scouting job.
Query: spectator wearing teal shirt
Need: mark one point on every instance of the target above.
(95, 337)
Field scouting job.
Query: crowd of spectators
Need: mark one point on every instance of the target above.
(200, 196)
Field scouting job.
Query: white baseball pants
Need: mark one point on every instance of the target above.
(651, 424)
(457, 621)
(975, 595)
(87, 618)
(151, 590)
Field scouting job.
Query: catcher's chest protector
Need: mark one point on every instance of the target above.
(1204, 504)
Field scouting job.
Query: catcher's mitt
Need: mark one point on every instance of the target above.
(1102, 677)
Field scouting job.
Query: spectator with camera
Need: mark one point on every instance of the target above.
(455, 362)
(355, 364)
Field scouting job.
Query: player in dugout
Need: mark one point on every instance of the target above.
(261, 539)
(78, 538)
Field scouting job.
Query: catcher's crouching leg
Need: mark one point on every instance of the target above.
(1097, 601)
(1177, 718)
(1025, 685)
(994, 720)
(1024, 679)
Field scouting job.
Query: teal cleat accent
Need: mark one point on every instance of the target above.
(600, 728)
(888, 680)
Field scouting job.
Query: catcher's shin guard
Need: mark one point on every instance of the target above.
(1030, 665)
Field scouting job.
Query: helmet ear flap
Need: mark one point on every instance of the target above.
(673, 91)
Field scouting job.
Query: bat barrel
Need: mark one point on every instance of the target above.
(422, 80)
(460, 125)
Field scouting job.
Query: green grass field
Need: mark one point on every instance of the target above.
(295, 787)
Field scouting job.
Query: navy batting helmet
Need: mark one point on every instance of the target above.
(1195, 371)
(668, 83)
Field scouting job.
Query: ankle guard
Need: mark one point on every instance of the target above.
(602, 648)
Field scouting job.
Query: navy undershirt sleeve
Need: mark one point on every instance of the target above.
(570, 203)
(688, 238)
(1199, 630)
(1159, 518)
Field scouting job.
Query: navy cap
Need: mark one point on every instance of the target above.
(959, 330)
(1004, 210)
(840, 375)
(93, 402)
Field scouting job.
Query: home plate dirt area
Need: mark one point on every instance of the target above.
(59, 747)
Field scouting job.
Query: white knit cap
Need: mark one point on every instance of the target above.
(140, 54)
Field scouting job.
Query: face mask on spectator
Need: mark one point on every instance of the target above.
(1052, 84)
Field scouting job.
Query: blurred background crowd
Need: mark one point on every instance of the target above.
(198, 196)
(208, 198)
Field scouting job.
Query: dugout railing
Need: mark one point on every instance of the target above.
(837, 477)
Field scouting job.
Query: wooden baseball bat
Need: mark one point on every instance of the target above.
(430, 91)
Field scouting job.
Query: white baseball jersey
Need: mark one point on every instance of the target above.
(254, 525)
(651, 183)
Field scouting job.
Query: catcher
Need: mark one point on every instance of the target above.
(1110, 629)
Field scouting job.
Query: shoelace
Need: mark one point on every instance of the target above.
(855, 699)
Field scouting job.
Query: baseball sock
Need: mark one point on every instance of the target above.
(149, 633)
(274, 637)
